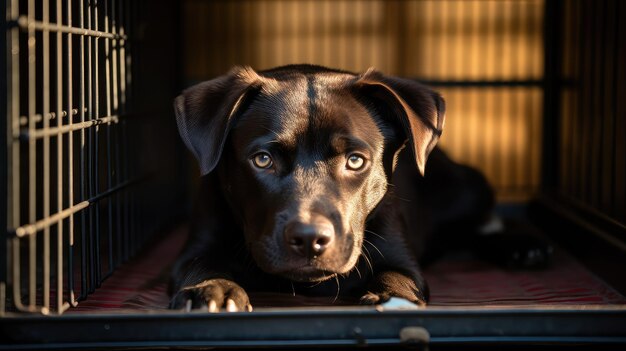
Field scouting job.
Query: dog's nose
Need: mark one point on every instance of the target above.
(309, 239)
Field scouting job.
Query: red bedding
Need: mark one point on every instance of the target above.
(462, 281)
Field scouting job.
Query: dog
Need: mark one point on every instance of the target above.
(315, 178)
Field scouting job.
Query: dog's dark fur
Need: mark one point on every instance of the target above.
(282, 203)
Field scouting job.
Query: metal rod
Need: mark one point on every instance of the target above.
(96, 155)
(13, 105)
(62, 129)
(33, 228)
(129, 57)
(3, 294)
(90, 147)
(83, 195)
(14, 61)
(23, 120)
(127, 141)
(70, 164)
(118, 198)
(46, 156)
(122, 52)
(107, 57)
(24, 22)
(59, 94)
(17, 293)
(5, 152)
(115, 48)
(122, 132)
(32, 156)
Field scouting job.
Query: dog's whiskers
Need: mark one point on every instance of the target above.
(367, 251)
(374, 233)
(337, 295)
(401, 198)
(367, 260)
(293, 289)
(356, 268)
(374, 246)
(319, 282)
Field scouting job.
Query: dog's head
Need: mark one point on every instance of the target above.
(304, 155)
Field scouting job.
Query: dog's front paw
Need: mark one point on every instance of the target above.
(371, 298)
(393, 284)
(214, 295)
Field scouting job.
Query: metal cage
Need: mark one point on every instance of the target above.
(79, 184)
(92, 168)
(82, 134)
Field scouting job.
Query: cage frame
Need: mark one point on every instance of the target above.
(491, 327)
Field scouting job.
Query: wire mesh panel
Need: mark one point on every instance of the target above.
(78, 184)
(591, 137)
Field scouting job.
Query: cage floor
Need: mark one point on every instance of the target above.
(141, 284)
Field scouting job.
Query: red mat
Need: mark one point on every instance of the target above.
(141, 284)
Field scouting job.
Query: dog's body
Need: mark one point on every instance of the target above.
(305, 189)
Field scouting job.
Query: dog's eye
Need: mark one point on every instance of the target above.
(262, 160)
(355, 162)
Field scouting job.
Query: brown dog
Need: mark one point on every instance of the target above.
(305, 182)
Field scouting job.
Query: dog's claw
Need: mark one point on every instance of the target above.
(370, 299)
(213, 307)
(231, 306)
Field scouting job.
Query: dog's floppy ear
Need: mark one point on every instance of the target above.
(205, 112)
(419, 110)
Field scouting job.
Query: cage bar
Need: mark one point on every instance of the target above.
(23, 120)
(32, 175)
(27, 23)
(63, 129)
(107, 55)
(90, 155)
(46, 96)
(83, 174)
(70, 163)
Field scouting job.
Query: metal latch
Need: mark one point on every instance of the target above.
(415, 336)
